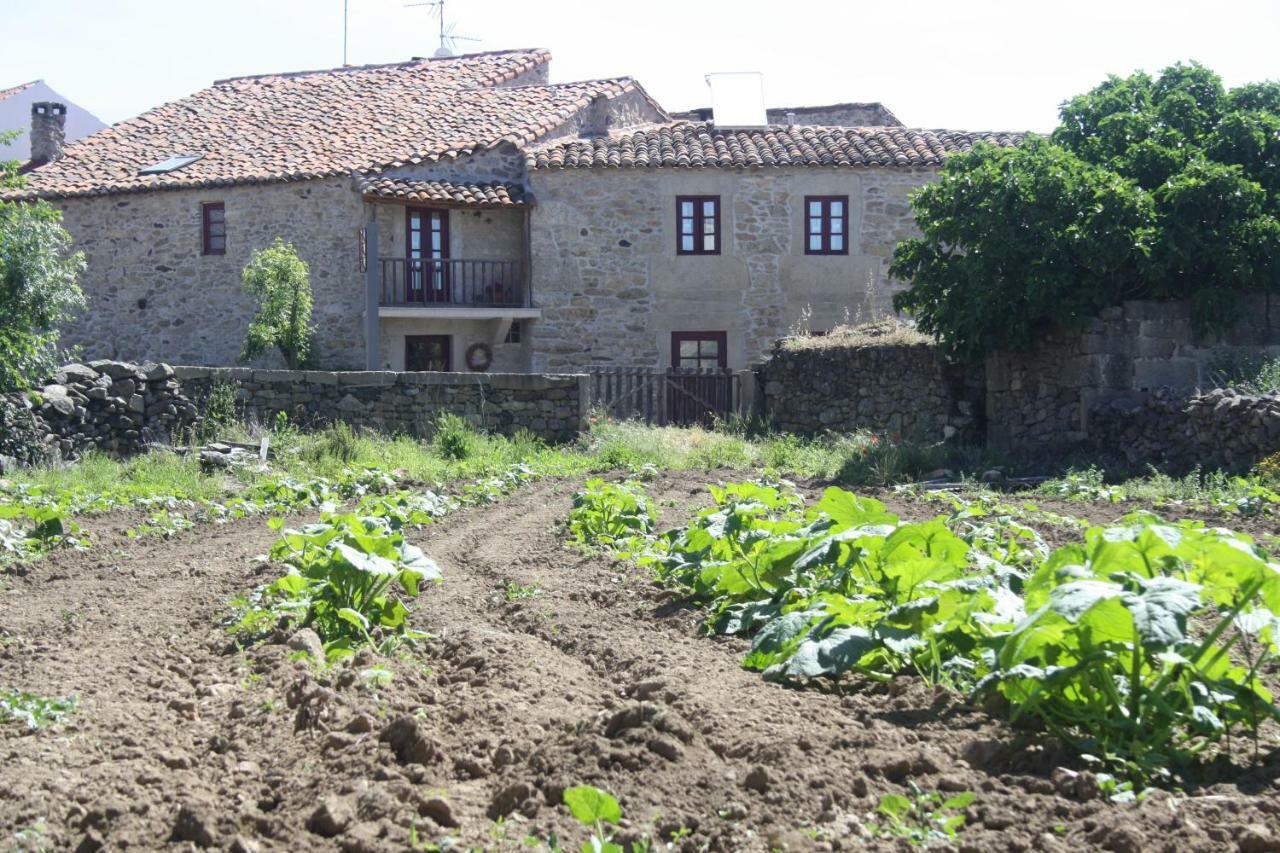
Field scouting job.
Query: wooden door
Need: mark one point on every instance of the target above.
(428, 352)
(427, 246)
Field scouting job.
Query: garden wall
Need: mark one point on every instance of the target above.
(897, 387)
(1176, 432)
(104, 405)
(553, 407)
(1047, 396)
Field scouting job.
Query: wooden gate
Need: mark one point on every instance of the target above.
(673, 397)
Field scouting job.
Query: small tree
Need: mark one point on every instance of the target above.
(38, 283)
(281, 283)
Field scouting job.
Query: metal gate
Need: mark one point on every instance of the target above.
(673, 397)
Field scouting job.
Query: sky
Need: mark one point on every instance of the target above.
(960, 64)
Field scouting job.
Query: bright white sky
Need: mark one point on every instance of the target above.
(962, 64)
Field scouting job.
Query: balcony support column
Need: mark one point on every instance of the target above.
(372, 293)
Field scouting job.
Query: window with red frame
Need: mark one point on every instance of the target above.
(701, 350)
(826, 225)
(698, 225)
(213, 228)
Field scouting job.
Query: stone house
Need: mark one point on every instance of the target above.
(464, 213)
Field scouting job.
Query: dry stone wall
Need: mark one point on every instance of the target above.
(906, 390)
(1177, 432)
(1046, 396)
(551, 407)
(103, 405)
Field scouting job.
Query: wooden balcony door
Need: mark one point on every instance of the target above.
(428, 352)
(427, 244)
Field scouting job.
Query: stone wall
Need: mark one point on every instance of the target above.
(102, 405)
(1177, 432)
(551, 407)
(1046, 396)
(901, 388)
(153, 295)
(612, 289)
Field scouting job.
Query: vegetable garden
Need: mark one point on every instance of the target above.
(631, 645)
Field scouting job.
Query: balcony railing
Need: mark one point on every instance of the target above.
(413, 282)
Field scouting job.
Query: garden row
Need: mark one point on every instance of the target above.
(1142, 647)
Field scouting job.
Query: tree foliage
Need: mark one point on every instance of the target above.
(281, 283)
(38, 284)
(1151, 187)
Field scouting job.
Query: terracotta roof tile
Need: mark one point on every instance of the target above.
(297, 126)
(21, 87)
(466, 193)
(700, 145)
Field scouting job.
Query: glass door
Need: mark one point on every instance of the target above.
(427, 243)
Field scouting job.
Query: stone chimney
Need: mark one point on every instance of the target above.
(596, 121)
(48, 131)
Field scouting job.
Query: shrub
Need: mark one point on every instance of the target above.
(219, 410)
(281, 283)
(38, 290)
(1155, 188)
(455, 439)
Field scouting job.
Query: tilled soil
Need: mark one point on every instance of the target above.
(548, 669)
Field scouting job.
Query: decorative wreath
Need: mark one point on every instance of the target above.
(479, 357)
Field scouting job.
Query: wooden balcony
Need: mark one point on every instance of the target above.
(453, 283)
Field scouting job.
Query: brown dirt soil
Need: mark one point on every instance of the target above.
(599, 678)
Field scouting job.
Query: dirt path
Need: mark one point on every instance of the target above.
(595, 678)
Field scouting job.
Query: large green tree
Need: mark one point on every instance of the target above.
(1151, 187)
(38, 283)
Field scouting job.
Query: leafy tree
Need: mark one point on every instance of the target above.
(38, 283)
(281, 283)
(1151, 187)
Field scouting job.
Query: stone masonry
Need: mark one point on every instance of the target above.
(107, 405)
(612, 289)
(1045, 396)
(551, 407)
(841, 384)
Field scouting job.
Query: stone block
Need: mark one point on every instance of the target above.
(1164, 373)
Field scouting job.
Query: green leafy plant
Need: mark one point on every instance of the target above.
(597, 810)
(921, 817)
(1150, 187)
(1091, 640)
(281, 283)
(39, 289)
(607, 514)
(34, 711)
(349, 579)
(1105, 658)
(455, 438)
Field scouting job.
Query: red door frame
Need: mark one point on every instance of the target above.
(721, 339)
(445, 340)
(429, 294)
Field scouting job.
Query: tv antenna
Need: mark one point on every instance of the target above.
(448, 41)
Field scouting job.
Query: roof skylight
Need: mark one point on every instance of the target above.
(170, 165)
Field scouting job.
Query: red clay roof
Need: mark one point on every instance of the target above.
(313, 124)
(468, 193)
(693, 145)
(8, 93)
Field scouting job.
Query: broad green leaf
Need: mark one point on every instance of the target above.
(831, 655)
(592, 805)
(1160, 610)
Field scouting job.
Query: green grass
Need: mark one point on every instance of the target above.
(459, 452)
(156, 473)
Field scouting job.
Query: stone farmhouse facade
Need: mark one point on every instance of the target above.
(464, 213)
